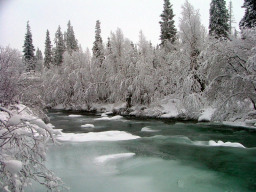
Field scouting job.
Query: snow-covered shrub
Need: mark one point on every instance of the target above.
(230, 74)
(72, 83)
(23, 144)
(10, 69)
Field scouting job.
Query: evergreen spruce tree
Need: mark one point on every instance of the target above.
(249, 19)
(98, 51)
(218, 26)
(71, 42)
(60, 47)
(47, 51)
(28, 50)
(109, 48)
(39, 60)
(39, 55)
(168, 30)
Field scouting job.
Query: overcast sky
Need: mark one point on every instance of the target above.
(129, 15)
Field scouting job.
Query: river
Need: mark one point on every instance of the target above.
(149, 155)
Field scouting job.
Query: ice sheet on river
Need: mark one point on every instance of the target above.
(87, 126)
(97, 136)
(75, 115)
(185, 140)
(219, 144)
(117, 117)
(147, 129)
(119, 156)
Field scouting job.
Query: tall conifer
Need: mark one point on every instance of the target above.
(47, 51)
(71, 42)
(28, 50)
(60, 47)
(249, 19)
(168, 30)
(97, 49)
(218, 26)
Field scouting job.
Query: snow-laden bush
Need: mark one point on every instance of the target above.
(229, 68)
(10, 69)
(23, 145)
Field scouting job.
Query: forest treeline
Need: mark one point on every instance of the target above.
(201, 68)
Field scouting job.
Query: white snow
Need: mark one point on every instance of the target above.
(59, 107)
(219, 144)
(117, 117)
(40, 123)
(88, 126)
(164, 108)
(100, 136)
(170, 115)
(147, 129)
(14, 120)
(50, 125)
(169, 108)
(120, 156)
(75, 115)
(6, 189)
(13, 166)
(104, 115)
(206, 115)
(225, 144)
(4, 116)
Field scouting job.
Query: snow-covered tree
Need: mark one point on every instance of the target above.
(28, 50)
(218, 26)
(229, 71)
(168, 30)
(23, 141)
(192, 34)
(249, 19)
(59, 47)
(98, 50)
(71, 42)
(10, 70)
(47, 51)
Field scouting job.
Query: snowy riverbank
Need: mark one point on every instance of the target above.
(164, 109)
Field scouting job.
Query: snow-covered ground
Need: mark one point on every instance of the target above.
(207, 114)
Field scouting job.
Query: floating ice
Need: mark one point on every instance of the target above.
(225, 144)
(117, 117)
(75, 115)
(88, 126)
(146, 129)
(120, 156)
(99, 136)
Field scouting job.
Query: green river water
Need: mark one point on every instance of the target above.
(176, 157)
